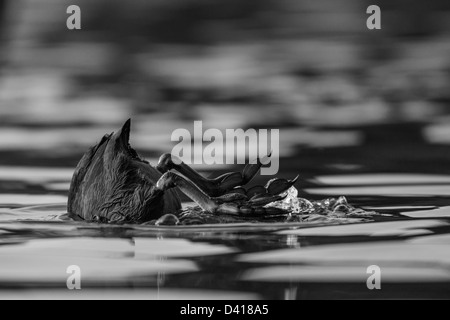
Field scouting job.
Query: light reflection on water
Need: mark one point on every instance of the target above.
(319, 258)
(374, 138)
(166, 262)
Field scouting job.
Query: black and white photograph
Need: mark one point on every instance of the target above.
(237, 151)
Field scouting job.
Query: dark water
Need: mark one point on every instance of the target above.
(368, 120)
(321, 258)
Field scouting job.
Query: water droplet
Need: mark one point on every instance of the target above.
(167, 220)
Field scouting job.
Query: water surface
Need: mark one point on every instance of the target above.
(409, 241)
(374, 130)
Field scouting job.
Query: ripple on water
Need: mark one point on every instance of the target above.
(112, 260)
(320, 251)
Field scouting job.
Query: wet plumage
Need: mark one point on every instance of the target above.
(113, 184)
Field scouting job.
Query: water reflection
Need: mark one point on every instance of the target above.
(364, 115)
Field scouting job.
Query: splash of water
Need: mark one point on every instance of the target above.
(294, 209)
(292, 203)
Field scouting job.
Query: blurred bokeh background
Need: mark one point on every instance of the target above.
(362, 113)
(346, 99)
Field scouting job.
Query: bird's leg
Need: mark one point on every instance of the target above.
(171, 179)
(225, 203)
(212, 187)
(168, 162)
(265, 194)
